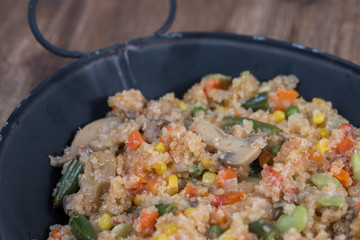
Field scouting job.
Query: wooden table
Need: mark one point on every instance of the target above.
(332, 26)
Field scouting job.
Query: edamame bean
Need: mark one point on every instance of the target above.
(355, 166)
(195, 171)
(337, 201)
(260, 101)
(122, 230)
(297, 220)
(215, 231)
(165, 208)
(81, 228)
(275, 149)
(196, 110)
(68, 183)
(229, 121)
(264, 230)
(291, 111)
(321, 179)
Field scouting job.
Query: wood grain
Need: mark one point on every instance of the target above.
(86, 25)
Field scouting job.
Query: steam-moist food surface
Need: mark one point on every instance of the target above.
(234, 159)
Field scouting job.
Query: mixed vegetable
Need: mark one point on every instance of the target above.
(235, 159)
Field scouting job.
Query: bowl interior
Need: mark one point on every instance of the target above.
(47, 119)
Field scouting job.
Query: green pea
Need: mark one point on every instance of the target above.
(321, 179)
(275, 149)
(164, 208)
(264, 230)
(215, 231)
(291, 111)
(355, 166)
(122, 230)
(81, 228)
(297, 220)
(337, 201)
(195, 171)
(196, 110)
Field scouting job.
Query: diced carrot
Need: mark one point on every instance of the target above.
(344, 145)
(179, 212)
(237, 114)
(266, 158)
(148, 221)
(287, 94)
(219, 217)
(152, 186)
(227, 198)
(224, 175)
(315, 156)
(346, 127)
(190, 190)
(340, 174)
(357, 206)
(142, 179)
(56, 234)
(133, 140)
(214, 83)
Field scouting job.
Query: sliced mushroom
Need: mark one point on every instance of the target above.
(237, 151)
(91, 132)
(98, 173)
(152, 129)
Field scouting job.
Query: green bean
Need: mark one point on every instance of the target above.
(81, 228)
(258, 102)
(215, 231)
(291, 111)
(337, 201)
(321, 179)
(264, 230)
(355, 166)
(68, 183)
(297, 220)
(122, 230)
(275, 149)
(222, 77)
(195, 171)
(229, 121)
(196, 110)
(165, 208)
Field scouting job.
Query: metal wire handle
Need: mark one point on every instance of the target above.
(75, 54)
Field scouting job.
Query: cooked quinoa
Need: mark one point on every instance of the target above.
(233, 159)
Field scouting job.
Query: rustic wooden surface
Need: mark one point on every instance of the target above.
(332, 26)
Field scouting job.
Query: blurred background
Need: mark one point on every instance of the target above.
(332, 26)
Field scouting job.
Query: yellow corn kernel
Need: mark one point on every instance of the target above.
(170, 229)
(105, 222)
(160, 147)
(222, 109)
(322, 146)
(137, 201)
(317, 100)
(207, 163)
(318, 117)
(161, 168)
(182, 105)
(227, 235)
(160, 237)
(188, 211)
(209, 178)
(324, 132)
(173, 184)
(279, 116)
